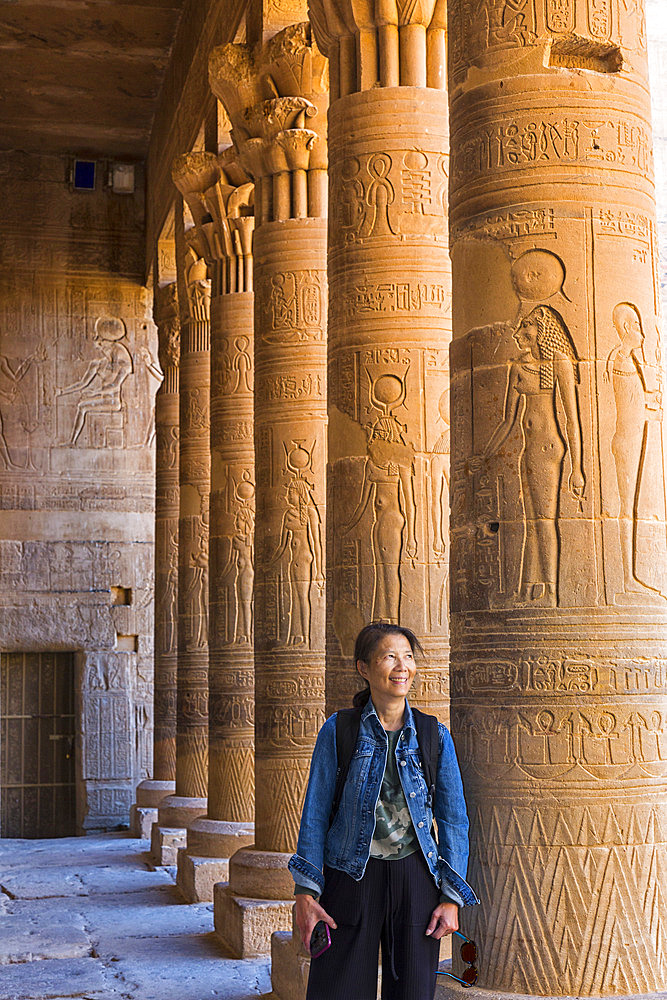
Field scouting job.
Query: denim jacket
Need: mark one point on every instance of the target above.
(347, 844)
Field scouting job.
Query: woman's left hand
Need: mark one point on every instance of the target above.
(444, 920)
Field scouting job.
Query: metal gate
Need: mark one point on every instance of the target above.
(37, 780)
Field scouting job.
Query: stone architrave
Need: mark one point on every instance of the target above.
(281, 142)
(389, 335)
(220, 197)
(178, 811)
(559, 586)
(152, 791)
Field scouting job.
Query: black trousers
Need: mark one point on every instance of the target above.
(390, 907)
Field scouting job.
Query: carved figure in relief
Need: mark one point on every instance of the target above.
(152, 373)
(634, 402)
(168, 598)
(242, 559)
(196, 592)
(547, 365)
(388, 485)
(440, 502)
(101, 384)
(301, 537)
(14, 378)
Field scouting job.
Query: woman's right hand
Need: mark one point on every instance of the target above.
(308, 913)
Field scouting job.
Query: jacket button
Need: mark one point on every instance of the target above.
(430, 854)
(402, 763)
(412, 795)
(420, 825)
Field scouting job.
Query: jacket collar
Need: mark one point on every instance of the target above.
(408, 722)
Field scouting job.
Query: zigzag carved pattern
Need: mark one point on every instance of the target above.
(279, 803)
(577, 919)
(232, 785)
(192, 764)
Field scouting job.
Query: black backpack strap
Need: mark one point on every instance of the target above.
(348, 721)
(428, 738)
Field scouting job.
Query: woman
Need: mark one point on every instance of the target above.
(547, 363)
(376, 875)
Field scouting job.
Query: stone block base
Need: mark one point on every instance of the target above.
(150, 793)
(141, 821)
(447, 989)
(197, 876)
(289, 967)
(244, 926)
(165, 842)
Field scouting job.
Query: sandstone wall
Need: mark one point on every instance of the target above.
(78, 375)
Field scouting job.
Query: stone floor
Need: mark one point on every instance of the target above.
(86, 917)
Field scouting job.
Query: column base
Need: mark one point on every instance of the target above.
(143, 813)
(150, 792)
(445, 991)
(205, 860)
(244, 926)
(141, 821)
(196, 876)
(289, 967)
(261, 875)
(165, 843)
(180, 810)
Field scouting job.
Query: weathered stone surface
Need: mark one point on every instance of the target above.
(196, 876)
(559, 562)
(165, 844)
(244, 926)
(145, 945)
(141, 821)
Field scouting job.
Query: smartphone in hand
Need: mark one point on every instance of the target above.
(320, 939)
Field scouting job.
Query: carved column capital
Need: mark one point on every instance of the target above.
(280, 132)
(220, 195)
(198, 285)
(168, 322)
(388, 43)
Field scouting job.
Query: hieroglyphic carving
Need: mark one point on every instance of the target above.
(388, 484)
(559, 703)
(546, 366)
(220, 197)
(300, 541)
(636, 402)
(511, 143)
(100, 385)
(276, 98)
(388, 378)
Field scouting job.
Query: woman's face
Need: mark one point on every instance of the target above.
(526, 335)
(391, 669)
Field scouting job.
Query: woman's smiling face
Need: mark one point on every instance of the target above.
(391, 668)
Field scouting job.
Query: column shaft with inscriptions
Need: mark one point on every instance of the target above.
(281, 143)
(219, 195)
(389, 333)
(189, 802)
(558, 569)
(152, 791)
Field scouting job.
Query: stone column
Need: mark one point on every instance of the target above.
(220, 195)
(559, 616)
(288, 163)
(151, 792)
(179, 810)
(389, 334)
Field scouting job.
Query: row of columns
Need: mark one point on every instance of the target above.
(557, 573)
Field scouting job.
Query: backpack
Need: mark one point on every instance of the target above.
(348, 721)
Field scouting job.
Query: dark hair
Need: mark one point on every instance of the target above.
(366, 643)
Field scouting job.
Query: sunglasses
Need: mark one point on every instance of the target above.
(468, 977)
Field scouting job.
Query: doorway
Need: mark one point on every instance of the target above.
(37, 725)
